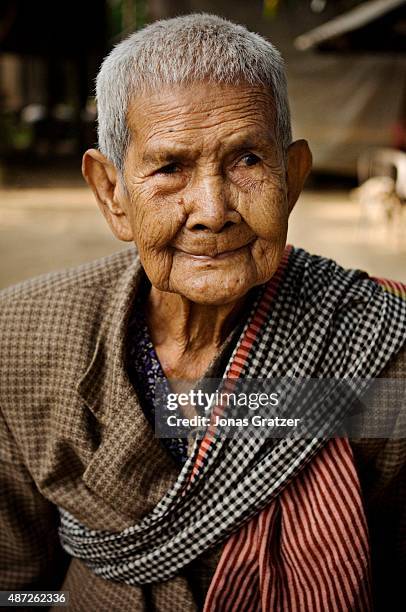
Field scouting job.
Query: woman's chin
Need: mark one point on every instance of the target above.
(213, 287)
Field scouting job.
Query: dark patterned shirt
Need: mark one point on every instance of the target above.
(145, 370)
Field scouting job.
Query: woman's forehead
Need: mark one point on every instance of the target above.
(186, 115)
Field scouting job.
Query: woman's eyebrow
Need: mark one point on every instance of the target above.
(169, 153)
(250, 140)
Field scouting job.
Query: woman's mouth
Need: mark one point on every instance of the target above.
(212, 255)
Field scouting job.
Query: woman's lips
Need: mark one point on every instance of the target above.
(221, 255)
(211, 256)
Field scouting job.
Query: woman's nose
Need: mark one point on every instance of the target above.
(209, 207)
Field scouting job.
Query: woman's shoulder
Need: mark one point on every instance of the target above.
(52, 321)
(97, 273)
(44, 303)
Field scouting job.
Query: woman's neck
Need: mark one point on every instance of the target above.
(186, 335)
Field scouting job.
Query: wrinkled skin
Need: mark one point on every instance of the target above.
(206, 198)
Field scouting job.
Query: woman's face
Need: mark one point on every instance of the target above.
(206, 190)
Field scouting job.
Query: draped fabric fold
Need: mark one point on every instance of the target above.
(313, 319)
(308, 551)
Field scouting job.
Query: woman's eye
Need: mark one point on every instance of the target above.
(250, 159)
(168, 169)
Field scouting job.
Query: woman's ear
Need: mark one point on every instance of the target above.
(104, 180)
(299, 163)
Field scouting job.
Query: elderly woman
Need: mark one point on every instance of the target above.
(195, 166)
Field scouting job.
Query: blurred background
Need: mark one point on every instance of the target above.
(346, 71)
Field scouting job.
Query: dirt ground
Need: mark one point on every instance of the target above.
(49, 228)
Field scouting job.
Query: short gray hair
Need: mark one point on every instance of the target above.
(184, 50)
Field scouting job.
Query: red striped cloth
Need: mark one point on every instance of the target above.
(307, 551)
(394, 287)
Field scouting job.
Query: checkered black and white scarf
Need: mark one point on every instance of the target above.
(313, 320)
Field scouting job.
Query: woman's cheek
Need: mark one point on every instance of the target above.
(265, 214)
(156, 219)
